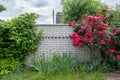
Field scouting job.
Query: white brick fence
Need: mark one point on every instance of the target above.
(56, 38)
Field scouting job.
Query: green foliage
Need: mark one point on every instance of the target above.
(115, 16)
(18, 38)
(56, 64)
(97, 65)
(2, 8)
(73, 9)
(7, 65)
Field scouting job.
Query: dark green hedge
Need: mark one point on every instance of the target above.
(18, 37)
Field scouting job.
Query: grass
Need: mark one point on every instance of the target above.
(33, 75)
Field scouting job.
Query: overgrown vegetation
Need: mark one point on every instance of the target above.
(18, 38)
(67, 63)
(56, 64)
(115, 14)
(73, 9)
(59, 67)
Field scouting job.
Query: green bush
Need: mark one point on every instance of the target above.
(73, 9)
(8, 65)
(19, 37)
(115, 14)
(56, 64)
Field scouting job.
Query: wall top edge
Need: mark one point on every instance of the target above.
(51, 24)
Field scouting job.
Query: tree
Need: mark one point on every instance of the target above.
(2, 8)
(115, 16)
(73, 9)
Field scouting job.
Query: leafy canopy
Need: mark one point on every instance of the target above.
(73, 9)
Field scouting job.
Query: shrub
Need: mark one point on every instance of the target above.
(8, 65)
(95, 33)
(19, 37)
(73, 9)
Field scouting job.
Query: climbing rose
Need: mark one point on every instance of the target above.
(87, 26)
(80, 45)
(86, 39)
(91, 40)
(118, 56)
(102, 42)
(115, 42)
(88, 33)
(112, 34)
(116, 30)
(103, 26)
(74, 22)
(109, 39)
(97, 15)
(102, 33)
(111, 51)
(95, 45)
(70, 24)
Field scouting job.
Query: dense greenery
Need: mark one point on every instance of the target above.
(59, 67)
(73, 9)
(2, 8)
(67, 63)
(115, 16)
(18, 39)
(56, 64)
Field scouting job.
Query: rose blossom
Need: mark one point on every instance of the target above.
(118, 56)
(111, 51)
(102, 42)
(70, 24)
(109, 39)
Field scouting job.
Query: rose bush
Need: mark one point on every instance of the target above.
(94, 31)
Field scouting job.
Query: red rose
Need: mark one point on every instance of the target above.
(97, 15)
(118, 56)
(103, 26)
(116, 30)
(102, 42)
(80, 45)
(86, 40)
(102, 33)
(70, 24)
(88, 33)
(74, 22)
(91, 40)
(111, 51)
(109, 39)
(112, 34)
(74, 35)
(87, 26)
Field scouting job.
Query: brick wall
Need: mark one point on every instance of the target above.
(56, 38)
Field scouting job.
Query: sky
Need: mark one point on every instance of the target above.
(43, 8)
